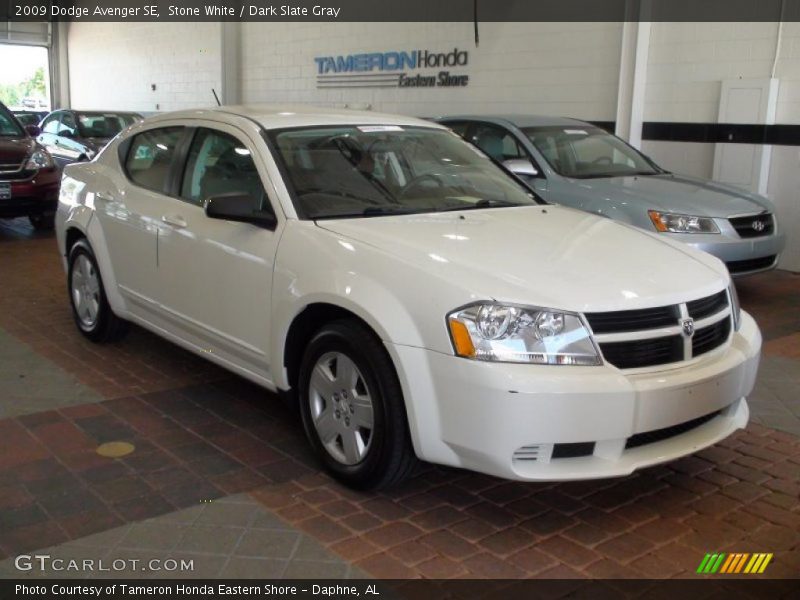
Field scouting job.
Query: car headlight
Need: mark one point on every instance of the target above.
(521, 334)
(736, 309)
(670, 223)
(40, 159)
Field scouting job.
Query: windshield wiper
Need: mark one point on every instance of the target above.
(374, 211)
(483, 203)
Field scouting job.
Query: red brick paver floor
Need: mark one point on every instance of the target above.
(200, 434)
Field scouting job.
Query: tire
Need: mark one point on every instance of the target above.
(43, 222)
(384, 456)
(85, 286)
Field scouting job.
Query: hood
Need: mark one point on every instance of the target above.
(679, 194)
(549, 256)
(15, 150)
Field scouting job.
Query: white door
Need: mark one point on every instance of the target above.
(129, 208)
(747, 101)
(215, 275)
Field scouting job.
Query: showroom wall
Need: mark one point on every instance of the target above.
(113, 66)
(551, 68)
(565, 68)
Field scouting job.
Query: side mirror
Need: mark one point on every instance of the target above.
(33, 130)
(237, 206)
(521, 167)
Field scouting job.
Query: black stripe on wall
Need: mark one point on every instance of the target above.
(779, 135)
(713, 133)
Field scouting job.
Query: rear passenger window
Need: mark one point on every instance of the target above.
(150, 156)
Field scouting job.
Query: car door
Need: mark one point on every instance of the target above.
(216, 275)
(69, 147)
(129, 203)
(50, 126)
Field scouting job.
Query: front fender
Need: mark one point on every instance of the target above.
(366, 298)
(404, 304)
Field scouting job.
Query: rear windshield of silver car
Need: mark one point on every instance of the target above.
(104, 125)
(379, 170)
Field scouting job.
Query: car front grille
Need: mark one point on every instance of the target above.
(14, 172)
(664, 335)
(705, 307)
(753, 225)
(633, 320)
(644, 353)
(751, 264)
(708, 338)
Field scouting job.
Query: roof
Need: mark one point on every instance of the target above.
(296, 115)
(521, 120)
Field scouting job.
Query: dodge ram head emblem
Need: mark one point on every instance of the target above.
(758, 225)
(688, 327)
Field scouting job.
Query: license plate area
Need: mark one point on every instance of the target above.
(5, 190)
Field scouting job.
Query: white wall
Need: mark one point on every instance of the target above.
(112, 65)
(555, 68)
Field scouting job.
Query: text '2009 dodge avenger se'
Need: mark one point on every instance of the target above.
(413, 298)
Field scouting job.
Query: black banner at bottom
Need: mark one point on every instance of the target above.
(722, 587)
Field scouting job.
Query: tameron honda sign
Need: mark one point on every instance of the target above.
(392, 69)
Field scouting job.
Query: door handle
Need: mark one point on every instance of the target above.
(174, 220)
(105, 197)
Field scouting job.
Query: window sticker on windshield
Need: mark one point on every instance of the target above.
(576, 132)
(377, 128)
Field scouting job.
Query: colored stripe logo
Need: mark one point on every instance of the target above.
(735, 562)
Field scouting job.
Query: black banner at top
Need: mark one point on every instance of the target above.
(401, 10)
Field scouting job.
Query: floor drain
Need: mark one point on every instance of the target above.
(115, 449)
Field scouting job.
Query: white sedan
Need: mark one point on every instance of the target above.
(408, 294)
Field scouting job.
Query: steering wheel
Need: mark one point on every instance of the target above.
(603, 160)
(418, 180)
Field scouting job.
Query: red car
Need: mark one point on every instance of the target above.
(29, 179)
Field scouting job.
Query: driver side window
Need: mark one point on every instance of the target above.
(219, 163)
(497, 143)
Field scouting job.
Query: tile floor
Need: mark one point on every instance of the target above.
(221, 474)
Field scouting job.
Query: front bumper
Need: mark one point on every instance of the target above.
(743, 256)
(507, 419)
(32, 196)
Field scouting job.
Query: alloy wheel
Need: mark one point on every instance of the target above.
(341, 408)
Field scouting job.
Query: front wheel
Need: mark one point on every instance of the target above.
(352, 407)
(90, 308)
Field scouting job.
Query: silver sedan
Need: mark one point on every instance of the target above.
(577, 164)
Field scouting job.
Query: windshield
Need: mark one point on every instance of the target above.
(584, 152)
(104, 125)
(9, 127)
(27, 118)
(350, 171)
